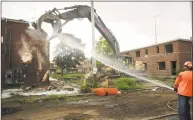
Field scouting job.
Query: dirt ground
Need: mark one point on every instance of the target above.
(135, 105)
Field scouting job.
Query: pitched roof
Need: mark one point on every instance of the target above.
(165, 42)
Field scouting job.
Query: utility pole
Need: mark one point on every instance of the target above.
(155, 29)
(93, 37)
(94, 69)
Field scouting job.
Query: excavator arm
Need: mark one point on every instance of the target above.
(54, 17)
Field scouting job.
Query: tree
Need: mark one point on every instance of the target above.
(67, 56)
(103, 48)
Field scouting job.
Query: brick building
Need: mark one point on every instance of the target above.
(164, 59)
(85, 66)
(12, 32)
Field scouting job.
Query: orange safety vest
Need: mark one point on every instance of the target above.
(184, 83)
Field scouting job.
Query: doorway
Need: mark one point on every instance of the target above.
(145, 67)
(173, 67)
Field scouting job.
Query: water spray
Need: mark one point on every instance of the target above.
(104, 60)
(111, 62)
(125, 70)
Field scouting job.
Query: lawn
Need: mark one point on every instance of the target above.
(67, 76)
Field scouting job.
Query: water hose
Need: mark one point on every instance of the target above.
(161, 116)
(166, 115)
(168, 105)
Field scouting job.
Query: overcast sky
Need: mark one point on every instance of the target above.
(132, 23)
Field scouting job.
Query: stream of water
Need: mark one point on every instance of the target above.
(112, 62)
(117, 65)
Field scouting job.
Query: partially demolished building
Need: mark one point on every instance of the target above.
(24, 55)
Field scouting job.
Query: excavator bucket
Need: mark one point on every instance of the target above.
(54, 20)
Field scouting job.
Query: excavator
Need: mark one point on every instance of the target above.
(54, 18)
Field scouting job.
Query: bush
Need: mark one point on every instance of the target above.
(126, 83)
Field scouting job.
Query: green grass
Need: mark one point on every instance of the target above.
(73, 75)
(56, 98)
(126, 83)
(74, 78)
(20, 98)
(34, 99)
(14, 98)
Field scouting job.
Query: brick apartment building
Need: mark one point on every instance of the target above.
(84, 67)
(164, 59)
(11, 44)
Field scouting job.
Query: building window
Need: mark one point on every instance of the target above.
(145, 66)
(146, 51)
(161, 65)
(157, 49)
(173, 67)
(169, 48)
(137, 53)
(129, 60)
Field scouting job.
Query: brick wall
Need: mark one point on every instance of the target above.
(181, 53)
(18, 29)
(185, 52)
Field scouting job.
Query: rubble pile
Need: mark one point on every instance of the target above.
(60, 85)
(57, 85)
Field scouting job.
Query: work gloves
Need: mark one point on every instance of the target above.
(176, 89)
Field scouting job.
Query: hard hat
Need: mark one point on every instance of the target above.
(188, 64)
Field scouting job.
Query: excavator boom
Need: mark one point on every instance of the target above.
(78, 11)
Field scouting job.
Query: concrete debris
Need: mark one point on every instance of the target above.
(27, 88)
(55, 88)
(57, 85)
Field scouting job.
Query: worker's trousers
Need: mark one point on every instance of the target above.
(183, 107)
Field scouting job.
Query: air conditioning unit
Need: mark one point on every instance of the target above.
(18, 75)
(15, 76)
(8, 77)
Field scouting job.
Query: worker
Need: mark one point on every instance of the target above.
(183, 86)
